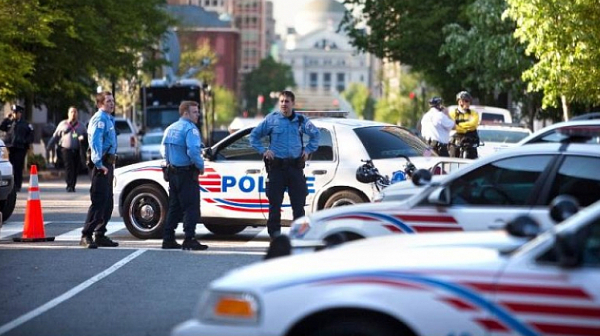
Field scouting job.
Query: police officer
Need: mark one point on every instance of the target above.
(102, 138)
(467, 121)
(18, 139)
(285, 158)
(181, 145)
(436, 125)
(69, 133)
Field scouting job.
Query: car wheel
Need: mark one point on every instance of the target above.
(356, 326)
(8, 205)
(344, 197)
(145, 211)
(225, 230)
(341, 238)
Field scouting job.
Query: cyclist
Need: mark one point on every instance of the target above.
(466, 121)
(436, 125)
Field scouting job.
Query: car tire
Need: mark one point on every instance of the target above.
(344, 197)
(7, 206)
(356, 326)
(225, 230)
(145, 211)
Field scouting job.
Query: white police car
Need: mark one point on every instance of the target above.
(438, 284)
(233, 194)
(481, 196)
(8, 194)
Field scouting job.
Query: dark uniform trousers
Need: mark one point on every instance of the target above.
(438, 147)
(184, 201)
(71, 159)
(16, 156)
(465, 140)
(101, 195)
(284, 174)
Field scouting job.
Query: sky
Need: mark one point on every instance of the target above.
(284, 10)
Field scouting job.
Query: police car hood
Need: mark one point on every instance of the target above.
(154, 164)
(414, 253)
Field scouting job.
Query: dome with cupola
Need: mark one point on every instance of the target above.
(318, 15)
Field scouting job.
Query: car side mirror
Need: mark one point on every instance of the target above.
(563, 207)
(523, 226)
(421, 177)
(439, 196)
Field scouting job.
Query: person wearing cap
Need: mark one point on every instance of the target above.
(18, 139)
(69, 133)
(436, 125)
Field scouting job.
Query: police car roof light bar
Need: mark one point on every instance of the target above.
(325, 114)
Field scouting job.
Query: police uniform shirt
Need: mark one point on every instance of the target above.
(67, 134)
(436, 125)
(285, 135)
(468, 120)
(181, 144)
(102, 136)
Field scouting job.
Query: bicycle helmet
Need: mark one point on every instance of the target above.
(366, 174)
(436, 101)
(464, 95)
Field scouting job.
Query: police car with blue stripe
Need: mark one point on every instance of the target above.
(233, 184)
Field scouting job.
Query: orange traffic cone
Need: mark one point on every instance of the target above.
(33, 229)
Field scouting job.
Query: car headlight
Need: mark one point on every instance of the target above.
(3, 153)
(229, 307)
(300, 227)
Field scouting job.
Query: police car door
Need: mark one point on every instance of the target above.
(542, 297)
(233, 179)
(489, 196)
(319, 171)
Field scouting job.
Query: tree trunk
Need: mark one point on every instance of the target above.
(565, 107)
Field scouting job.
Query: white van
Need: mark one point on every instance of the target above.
(489, 114)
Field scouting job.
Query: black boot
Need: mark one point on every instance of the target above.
(87, 242)
(104, 241)
(193, 244)
(170, 245)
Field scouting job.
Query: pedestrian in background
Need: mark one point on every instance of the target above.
(436, 125)
(285, 158)
(181, 145)
(18, 139)
(102, 138)
(69, 134)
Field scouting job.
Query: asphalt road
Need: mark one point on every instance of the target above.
(58, 288)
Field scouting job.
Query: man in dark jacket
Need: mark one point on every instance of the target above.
(18, 139)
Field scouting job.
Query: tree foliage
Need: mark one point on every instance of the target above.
(358, 95)
(408, 31)
(564, 37)
(270, 76)
(65, 46)
(193, 57)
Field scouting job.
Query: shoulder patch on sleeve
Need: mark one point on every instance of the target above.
(101, 124)
(196, 132)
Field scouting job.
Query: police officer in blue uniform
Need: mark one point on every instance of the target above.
(102, 138)
(181, 145)
(18, 139)
(285, 158)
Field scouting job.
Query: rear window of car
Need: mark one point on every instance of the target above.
(384, 142)
(122, 127)
(504, 136)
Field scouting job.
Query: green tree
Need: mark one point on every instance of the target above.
(194, 57)
(270, 76)
(226, 106)
(403, 105)
(86, 40)
(408, 31)
(564, 37)
(358, 95)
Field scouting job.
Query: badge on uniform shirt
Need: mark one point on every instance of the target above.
(101, 124)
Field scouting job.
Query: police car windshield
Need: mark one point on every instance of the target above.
(385, 142)
(504, 136)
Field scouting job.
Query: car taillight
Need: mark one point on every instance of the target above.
(132, 141)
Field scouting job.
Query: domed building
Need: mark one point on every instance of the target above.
(322, 60)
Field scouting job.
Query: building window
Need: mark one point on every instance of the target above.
(341, 82)
(206, 3)
(313, 80)
(327, 81)
(362, 78)
(327, 61)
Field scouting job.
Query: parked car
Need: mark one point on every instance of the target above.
(8, 194)
(495, 137)
(588, 128)
(437, 284)
(128, 146)
(489, 114)
(150, 148)
(233, 186)
(484, 195)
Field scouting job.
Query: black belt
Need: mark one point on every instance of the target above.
(182, 168)
(286, 161)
